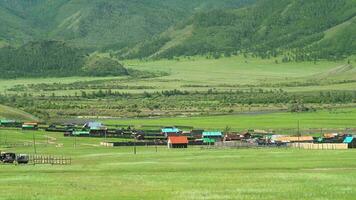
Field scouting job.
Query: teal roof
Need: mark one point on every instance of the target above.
(348, 140)
(212, 134)
(170, 130)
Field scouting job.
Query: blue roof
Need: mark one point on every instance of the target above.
(348, 140)
(212, 133)
(170, 130)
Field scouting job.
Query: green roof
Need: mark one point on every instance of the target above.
(212, 134)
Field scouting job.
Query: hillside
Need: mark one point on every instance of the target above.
(298, 30)
(54, 59)
(94, 24)
(12, 113)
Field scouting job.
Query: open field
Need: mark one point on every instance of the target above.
(193, 173)
(340, 118)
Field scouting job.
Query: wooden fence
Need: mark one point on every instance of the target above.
(235, 144)
(321, 146)
(48, 159)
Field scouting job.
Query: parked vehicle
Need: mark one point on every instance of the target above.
(7, 157)
(22, 159)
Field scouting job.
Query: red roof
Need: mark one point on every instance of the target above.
(178, 140)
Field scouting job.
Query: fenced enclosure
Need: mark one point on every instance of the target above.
(50, 160)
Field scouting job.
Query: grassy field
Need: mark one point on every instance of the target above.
(192, 87)
(198, 71)
(12, 113)
(193, 173)
(340, 118)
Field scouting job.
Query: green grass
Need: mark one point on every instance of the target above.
(211, 73)
(340, 118)
(13, 113)
(193, 173)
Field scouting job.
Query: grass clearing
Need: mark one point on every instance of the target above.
(193, 173)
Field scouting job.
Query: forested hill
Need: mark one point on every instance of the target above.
(54, 58)
(297, 29)
(97, 24)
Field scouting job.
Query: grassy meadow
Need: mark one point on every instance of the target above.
(194, 86)
(199, 74)
(194, 173)
(339, 118)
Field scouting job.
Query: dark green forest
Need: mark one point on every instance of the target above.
(54, 58)
(296, 29)
(56, 38)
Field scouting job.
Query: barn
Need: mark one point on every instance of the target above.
(177, 142)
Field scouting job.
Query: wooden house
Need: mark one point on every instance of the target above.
(177, 142)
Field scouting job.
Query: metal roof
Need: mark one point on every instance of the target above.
(212, 133)
(178, 140)
(348, 140)
(170, 130)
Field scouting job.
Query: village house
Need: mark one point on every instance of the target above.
(170, 131)
(215, 135)
(350, 141)
(177, 142)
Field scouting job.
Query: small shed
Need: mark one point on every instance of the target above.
(216, 135)
(30, 126)
(177, 142)
(350, 141)
(170, 131)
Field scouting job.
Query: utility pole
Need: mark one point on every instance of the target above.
(34, 142)
(75, 141)
(156, 145)
(135, 144)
